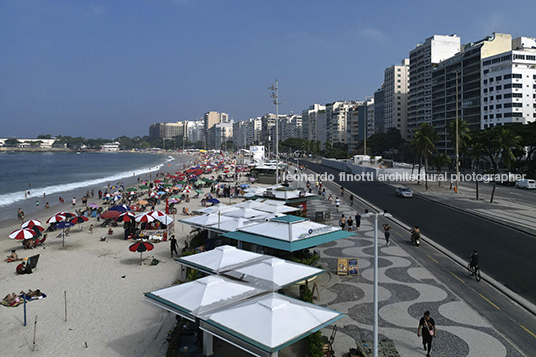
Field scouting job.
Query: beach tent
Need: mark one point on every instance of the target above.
(231, 225)
(265, 324)
(220, 259)
(222, 208)
(289, 233)
(250, 204)
(195, 298)
(245, 213)
(278, 209)
(205, 220)
(274, 273)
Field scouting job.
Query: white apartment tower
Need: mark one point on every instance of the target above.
(422, 59)
(395, 91)
(310, 122)
(509, 85)
(337, 120)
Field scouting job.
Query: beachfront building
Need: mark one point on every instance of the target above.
(112, 146)
(219, 134)
(422, 59)
(310, 122)
(379, 111)
(462, 74)
(239, 133)
(210, 119)
(336, 121)
(509, 85)
(395, 94)
(29, 143)
(167, 130)
(268, 131)
(290, 126)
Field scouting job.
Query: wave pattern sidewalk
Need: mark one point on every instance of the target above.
(406, 290)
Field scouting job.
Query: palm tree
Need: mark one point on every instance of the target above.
(439, 161)
(425, 139)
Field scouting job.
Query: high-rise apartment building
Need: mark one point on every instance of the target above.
(395, 94)
(509, 85)
(167, 130)
(310, 122)
(422, 59)
(337, 120)
(379, 112)
(210, 119)
(462, 74)
(290, 126)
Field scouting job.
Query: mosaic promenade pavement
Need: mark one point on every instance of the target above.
(406, 290)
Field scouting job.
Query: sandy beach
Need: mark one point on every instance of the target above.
(102, 285)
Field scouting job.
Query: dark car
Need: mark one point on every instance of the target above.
(404, 192)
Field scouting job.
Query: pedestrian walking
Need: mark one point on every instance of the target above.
(342, 191)
(37, 204)
(351, 200)
(330, 198)
(357, 221)
(350, 224)
(386, 228)
(173, 245)
(428, 329)
(337, 203)
(342, 222)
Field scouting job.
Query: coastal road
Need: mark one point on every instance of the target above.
(506, 255)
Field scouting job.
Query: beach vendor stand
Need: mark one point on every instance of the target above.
(158, 230)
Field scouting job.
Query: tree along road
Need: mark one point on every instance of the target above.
(505, 254)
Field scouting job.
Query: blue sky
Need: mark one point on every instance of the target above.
(111, 68)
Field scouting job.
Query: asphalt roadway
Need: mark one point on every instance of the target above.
(506, 255)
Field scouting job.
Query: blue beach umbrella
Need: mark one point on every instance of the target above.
(213, 201)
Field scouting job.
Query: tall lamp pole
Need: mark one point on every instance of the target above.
(275, 96)
(375, 327)
(457, 138)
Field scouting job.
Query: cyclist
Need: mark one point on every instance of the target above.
(474, 261)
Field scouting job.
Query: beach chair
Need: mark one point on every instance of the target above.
(41, 242)
(32, 261)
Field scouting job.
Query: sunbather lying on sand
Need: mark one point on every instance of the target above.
(12, 299)
(12, 257)
(31, 294)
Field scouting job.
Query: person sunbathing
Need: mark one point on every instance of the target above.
(23, 268)
(12, 257)
(31, 294)
(186, 211)
(12, 299)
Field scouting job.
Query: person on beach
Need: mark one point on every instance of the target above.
(37, 204)
(20, 214)
(61, 200)
(47, 205)
(92, 193)
(386, 228)
(91, 229)
(12, 299)
(357, 221)
(12, 257)
(74, 201)
(23, 268)
(173, 246)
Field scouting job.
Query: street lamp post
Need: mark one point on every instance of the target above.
(275, 96)
(375, 326)
(457, 138)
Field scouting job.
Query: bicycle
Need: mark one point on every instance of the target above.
(474, 271)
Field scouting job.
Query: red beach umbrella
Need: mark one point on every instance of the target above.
(30, 223)
(141, 247)
(110, 214)
(79, 219)
(125, 217)
(56, 218)
(144, 217)
(24, 233)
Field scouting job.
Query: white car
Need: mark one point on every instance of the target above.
(527, 184)
(404, 192)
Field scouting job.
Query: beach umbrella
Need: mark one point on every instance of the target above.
(23, 233)
(199, 191)
(63, 225)
(110, 214)
(142, 202)
(93, 205)
(161, 192)
(30, 223)
(79, 220)
(144, 217)
(199, 182)
(132, 189)
(213, 201)
(144, 187)
(56, 218)
(116, 198)
(120, 208)
(66, 214)
(125, 217)
(141, 247)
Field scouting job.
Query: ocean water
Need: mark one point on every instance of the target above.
(69, 175)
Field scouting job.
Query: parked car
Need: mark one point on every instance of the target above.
(528, 184)
(404, 192)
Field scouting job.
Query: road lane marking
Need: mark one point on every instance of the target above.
(433, 259)
(526, 329)
(483, 297)
(399, 234)
(456, 276)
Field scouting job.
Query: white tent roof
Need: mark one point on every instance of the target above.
(203, 295)
(249, 204)
(220, 259)
(289, 231)
(221, 207)
(273, 320)
(205, 220)
(164, 219)
(274, 273)
(245, 213)
(232, 225)
(278, 209)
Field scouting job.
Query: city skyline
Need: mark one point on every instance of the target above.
(106, 70)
